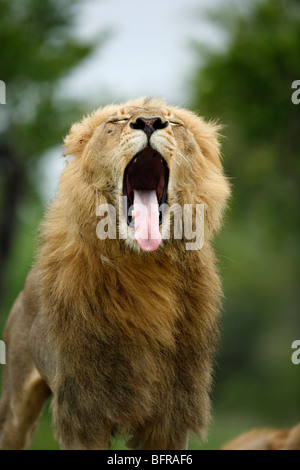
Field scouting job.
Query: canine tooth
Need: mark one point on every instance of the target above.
(134, 161)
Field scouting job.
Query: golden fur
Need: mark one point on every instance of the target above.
(123, 338)
(267, 439)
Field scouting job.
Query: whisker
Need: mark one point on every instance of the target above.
(117, 161)
(183, 156)
(176, 161)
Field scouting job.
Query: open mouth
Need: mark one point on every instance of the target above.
(145, 184)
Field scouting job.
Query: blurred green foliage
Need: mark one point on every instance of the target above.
(38, 49)
(247, 85)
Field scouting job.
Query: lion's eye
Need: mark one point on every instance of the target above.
(175, 123)
(118, 121)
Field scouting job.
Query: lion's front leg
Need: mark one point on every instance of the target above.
(156, 438)
(77, 418)
(77, 445)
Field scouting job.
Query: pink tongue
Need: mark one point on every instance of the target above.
(146, 219)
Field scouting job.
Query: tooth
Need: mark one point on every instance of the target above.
(134, 161)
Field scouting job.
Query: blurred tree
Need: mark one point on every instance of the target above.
(247, 83)
(38, 49)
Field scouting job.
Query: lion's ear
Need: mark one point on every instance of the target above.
(207, 135)
(79, 135)
(209, 141)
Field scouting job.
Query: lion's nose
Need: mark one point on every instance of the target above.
(149, 125)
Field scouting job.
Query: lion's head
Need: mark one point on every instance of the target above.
(149, 155)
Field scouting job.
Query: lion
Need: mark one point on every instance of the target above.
(121, 330)
(267, 439)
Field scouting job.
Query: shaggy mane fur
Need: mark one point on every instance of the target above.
(130, 335)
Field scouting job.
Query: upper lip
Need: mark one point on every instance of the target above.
(147, 171)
